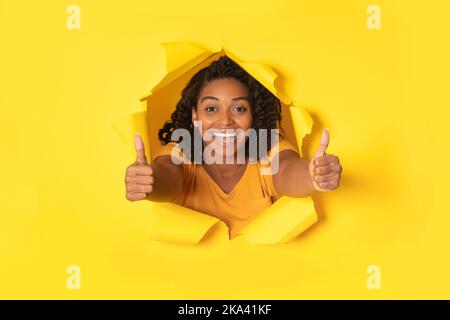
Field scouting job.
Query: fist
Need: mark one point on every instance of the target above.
(324, 169)
(139, 175)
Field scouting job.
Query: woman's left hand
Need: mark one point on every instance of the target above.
(324, 169)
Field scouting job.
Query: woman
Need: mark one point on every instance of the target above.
(221, 100)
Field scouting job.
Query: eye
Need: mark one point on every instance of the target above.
(240, 109)
(210, 108)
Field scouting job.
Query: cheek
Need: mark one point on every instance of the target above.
(206, 122)
(246, 121)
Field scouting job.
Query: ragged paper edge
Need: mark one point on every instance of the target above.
(276, 224)
(182, 57)
(127, 127)
(178, 224)
(282, 222)
(288, 217)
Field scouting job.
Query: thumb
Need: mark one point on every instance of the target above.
(323, 144)
(140, 151)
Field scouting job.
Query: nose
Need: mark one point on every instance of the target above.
(225, 118)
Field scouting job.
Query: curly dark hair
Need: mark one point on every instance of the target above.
(266, 107)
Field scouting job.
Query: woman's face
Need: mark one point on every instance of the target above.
(223, 106)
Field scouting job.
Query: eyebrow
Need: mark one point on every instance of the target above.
(217, 99)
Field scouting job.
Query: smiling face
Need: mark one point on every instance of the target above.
(223, 106)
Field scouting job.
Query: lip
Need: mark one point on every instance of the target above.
(224, 134)
(224, 141)
(224, 138)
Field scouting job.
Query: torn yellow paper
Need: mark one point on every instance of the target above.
(126, 128)
(281, 222)
(178, 224)
(302, 123)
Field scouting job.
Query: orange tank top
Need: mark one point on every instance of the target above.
(252, 194)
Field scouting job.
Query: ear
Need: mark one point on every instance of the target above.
(194, 115)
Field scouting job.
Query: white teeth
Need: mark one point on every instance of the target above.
(224, 135)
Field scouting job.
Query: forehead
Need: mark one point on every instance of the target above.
(224, 89)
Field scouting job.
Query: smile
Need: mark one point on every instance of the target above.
(224, 135)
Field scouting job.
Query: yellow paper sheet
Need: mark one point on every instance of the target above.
(281, 222)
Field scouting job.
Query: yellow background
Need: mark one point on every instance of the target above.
(382, 93)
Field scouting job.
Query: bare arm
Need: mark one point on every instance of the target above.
(292, 178)
(167, 179)
(161, 181)
(298, 177)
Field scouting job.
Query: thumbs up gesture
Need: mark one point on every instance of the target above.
(139, 175)
(324, 169)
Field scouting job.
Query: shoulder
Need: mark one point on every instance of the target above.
(278, 166)
(170, 149)
(282, 145)
(280, 148)
(287, 153)
(279, 153)
(170, 155)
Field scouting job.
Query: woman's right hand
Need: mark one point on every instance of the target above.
(139, 175)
